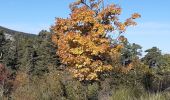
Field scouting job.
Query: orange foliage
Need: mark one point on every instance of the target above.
(82, 39)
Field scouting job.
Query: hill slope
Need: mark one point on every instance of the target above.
(11, 33)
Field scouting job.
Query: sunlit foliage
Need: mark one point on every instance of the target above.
(82, 38)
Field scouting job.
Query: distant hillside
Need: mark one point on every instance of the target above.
(10, 32)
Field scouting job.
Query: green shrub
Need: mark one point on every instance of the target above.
(47, 88)
(157, 96)
(122, 94)
(75, 90)
(92, 91)
(125, 93)
(128, 93)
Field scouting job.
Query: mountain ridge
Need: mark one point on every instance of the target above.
(14, 32)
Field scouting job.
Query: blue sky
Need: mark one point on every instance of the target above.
(31, 16)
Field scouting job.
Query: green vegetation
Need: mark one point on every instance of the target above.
(32, 71)
(77, 60)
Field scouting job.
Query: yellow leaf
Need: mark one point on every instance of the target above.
(77, 51)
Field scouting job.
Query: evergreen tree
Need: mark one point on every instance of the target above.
(130, 52)
(153, 58)
(4, 47)
(42, 54)
(2, 42)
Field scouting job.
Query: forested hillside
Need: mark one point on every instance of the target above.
(23, 49)
(78, 60)
(13, 32)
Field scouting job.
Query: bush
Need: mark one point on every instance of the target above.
(47, 88)
(122, 94)
(157, 96)
(155, 82)
(75, 90)
(92, 91)
(128, 93)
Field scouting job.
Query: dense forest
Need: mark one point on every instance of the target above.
(76, 60)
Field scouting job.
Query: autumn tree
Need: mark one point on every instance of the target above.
(82, 38)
